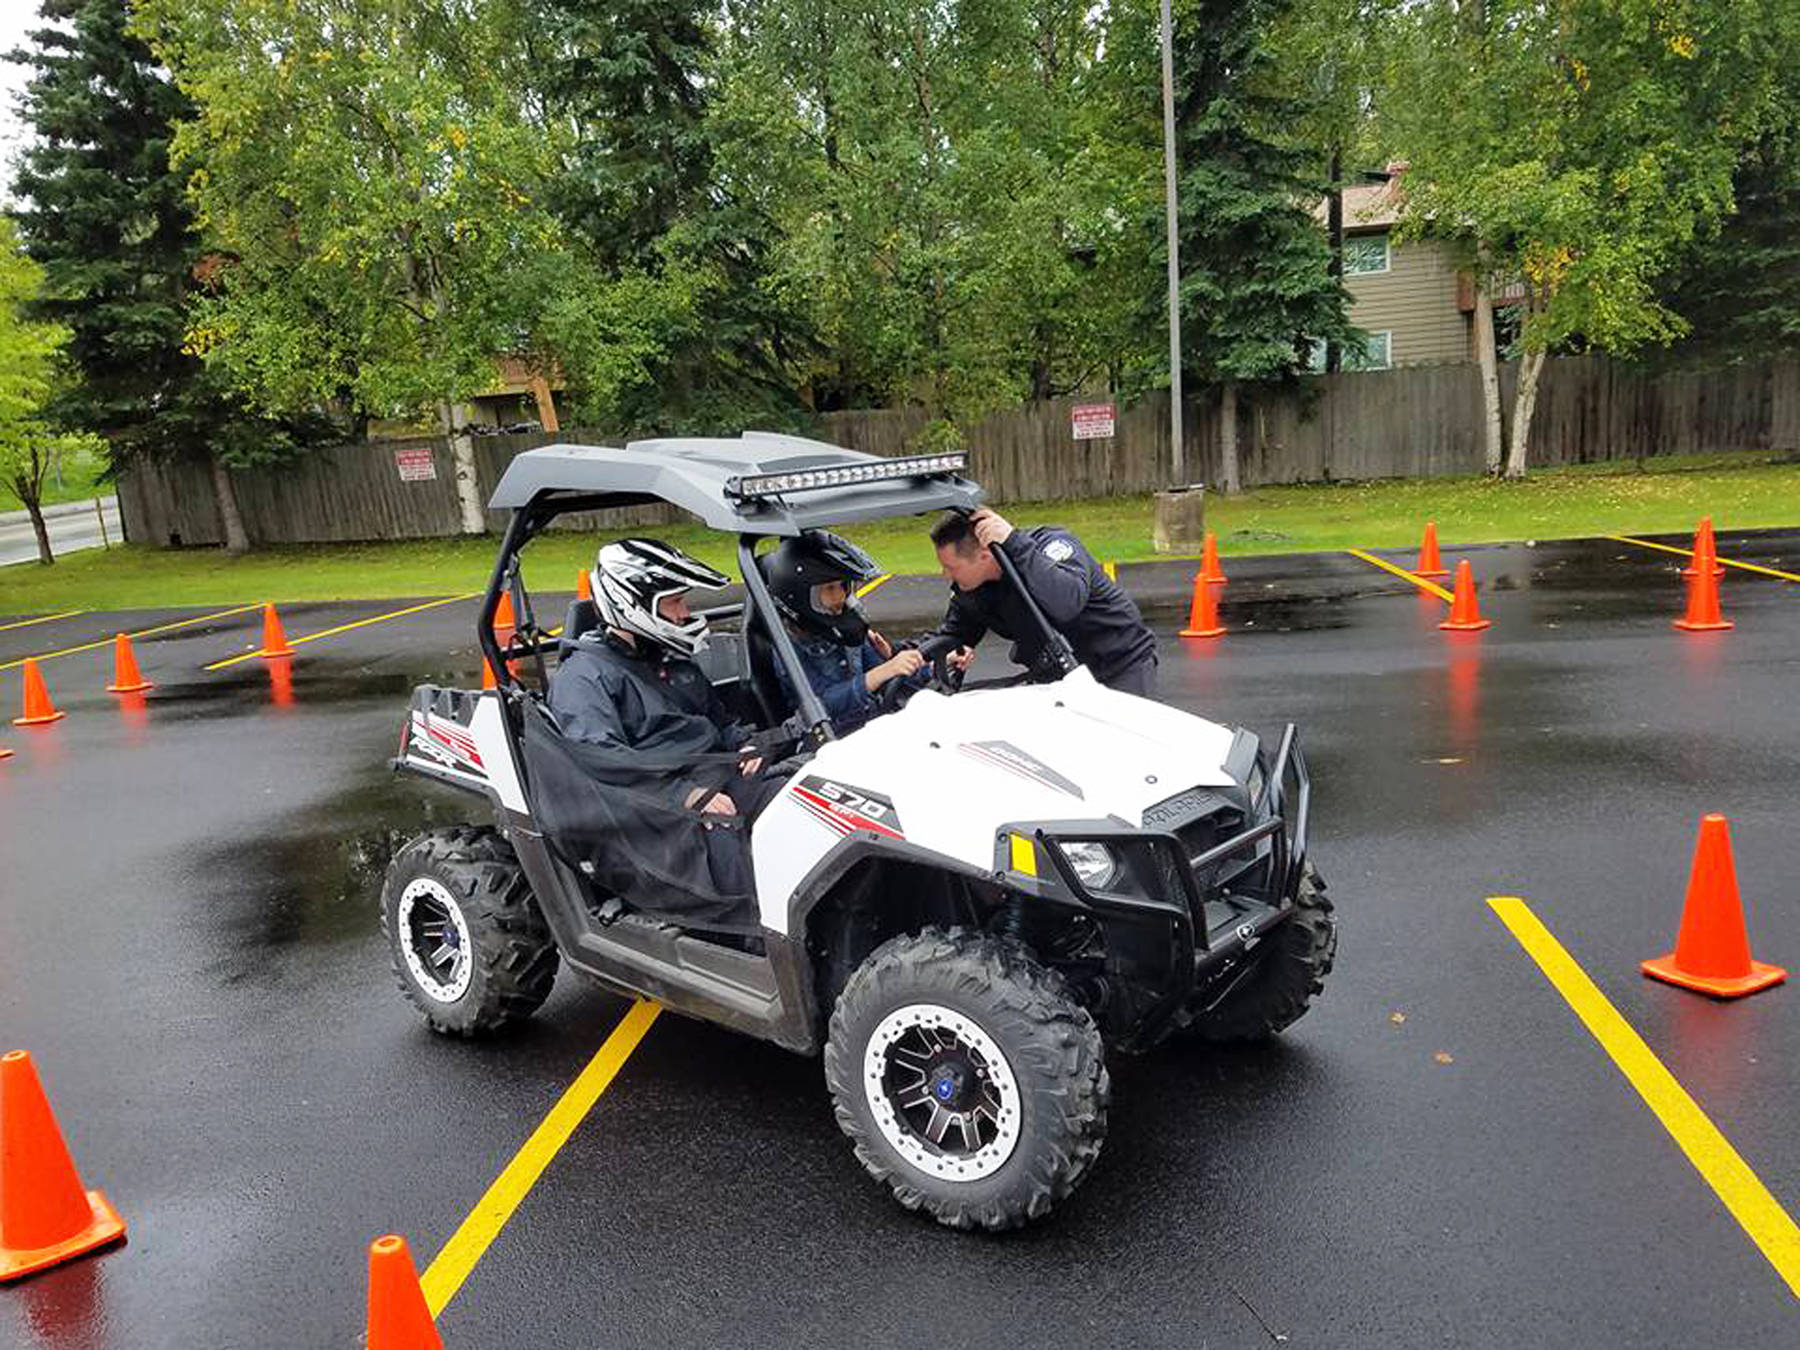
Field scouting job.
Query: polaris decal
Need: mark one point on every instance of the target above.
(845, 809)
(1005, 755)
(445, 742)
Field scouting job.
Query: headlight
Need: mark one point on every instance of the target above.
(1096, 864)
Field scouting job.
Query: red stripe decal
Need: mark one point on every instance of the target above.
(853, 820)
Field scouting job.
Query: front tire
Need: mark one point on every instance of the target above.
(468, 945)
(1284, 984)
(971, 1083)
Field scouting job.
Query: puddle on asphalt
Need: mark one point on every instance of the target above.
(317, 882)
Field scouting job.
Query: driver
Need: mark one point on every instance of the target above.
(1077, 598)
(633, 685)
(811, 579)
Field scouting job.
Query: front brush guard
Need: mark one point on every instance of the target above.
(1205, 952)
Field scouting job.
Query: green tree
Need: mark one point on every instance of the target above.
(646, 189)
(1575, 150)
(372, 175)
(29, 350)
(102, 211)
(1257, 288)
(955, 194)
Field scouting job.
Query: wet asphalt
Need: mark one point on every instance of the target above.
(1437, 1155)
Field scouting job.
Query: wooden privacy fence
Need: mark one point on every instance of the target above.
(1418, 421)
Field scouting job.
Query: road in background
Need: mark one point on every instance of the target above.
(73, 526)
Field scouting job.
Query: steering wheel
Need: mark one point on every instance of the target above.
(937, 674)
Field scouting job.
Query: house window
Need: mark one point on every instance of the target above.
(1374, 353)
(1364, 253)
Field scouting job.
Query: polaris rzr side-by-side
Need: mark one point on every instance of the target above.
(964, 904)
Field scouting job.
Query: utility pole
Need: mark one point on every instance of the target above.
(1168, 81)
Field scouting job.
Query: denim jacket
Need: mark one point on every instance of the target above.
(836, 674)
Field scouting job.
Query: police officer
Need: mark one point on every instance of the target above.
(1076, 596)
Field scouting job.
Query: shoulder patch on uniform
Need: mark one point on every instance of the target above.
(1059, 550)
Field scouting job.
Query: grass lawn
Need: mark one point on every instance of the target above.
(1740, 491)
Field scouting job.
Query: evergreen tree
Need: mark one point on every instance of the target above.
(1256, 283)
(653, 190)
(1739, 290)
(103, 214)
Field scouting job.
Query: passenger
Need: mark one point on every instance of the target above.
(632, 684)
(1077, 597)
(812, 580)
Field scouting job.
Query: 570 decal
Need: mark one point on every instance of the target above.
(845, 809)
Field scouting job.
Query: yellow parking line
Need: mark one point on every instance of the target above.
(42, 618)
(345, 628)
(1386, 566)
(1688, 553)
(142, 632)
(864, 590)
(468, 1243)
(1712, 1155)
(1111, 569)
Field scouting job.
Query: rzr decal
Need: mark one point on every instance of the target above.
(445, 742)
(1003, 755)
(846, 809)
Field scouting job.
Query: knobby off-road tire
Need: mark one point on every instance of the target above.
(459, 893)
(1291, 975)
(1024, 1062)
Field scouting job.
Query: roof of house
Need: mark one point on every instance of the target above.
(1369, 205)
(705, 475)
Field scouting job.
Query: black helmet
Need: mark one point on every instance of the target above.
(799, 567)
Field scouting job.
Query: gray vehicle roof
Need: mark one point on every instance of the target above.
(691, 472)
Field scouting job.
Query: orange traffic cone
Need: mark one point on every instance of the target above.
(584, 585)
(1704, 544)
(1465, 614)
(275, 641)
(38, 707)
(1209, 561)
(503, 615)
(127, 678)
(1712, 951)
(45, 1216)
(399, 1318)
(1703, 614)
(1203, 615)
(1430, 564)
(487, 675)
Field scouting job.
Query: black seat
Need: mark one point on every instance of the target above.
(581, 618)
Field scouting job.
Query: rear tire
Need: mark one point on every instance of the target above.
(966, 1037)
(468, 945)
(1280, 989)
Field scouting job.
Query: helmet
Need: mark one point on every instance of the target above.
(799, 567)
(631, 577)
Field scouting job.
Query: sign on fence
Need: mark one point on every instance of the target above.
(416, 466)
(1091, 421)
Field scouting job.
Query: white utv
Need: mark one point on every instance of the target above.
(964, 905)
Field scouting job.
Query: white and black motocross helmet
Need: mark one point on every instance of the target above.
(631, 577)
(799, 567)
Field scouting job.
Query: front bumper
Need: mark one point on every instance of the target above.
(1218, 900)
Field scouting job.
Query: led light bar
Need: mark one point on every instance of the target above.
(810, 480)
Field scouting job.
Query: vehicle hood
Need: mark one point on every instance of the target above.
(956, 768)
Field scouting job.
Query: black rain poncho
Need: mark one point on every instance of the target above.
(618, 816)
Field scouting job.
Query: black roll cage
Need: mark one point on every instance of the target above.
(531, 520)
